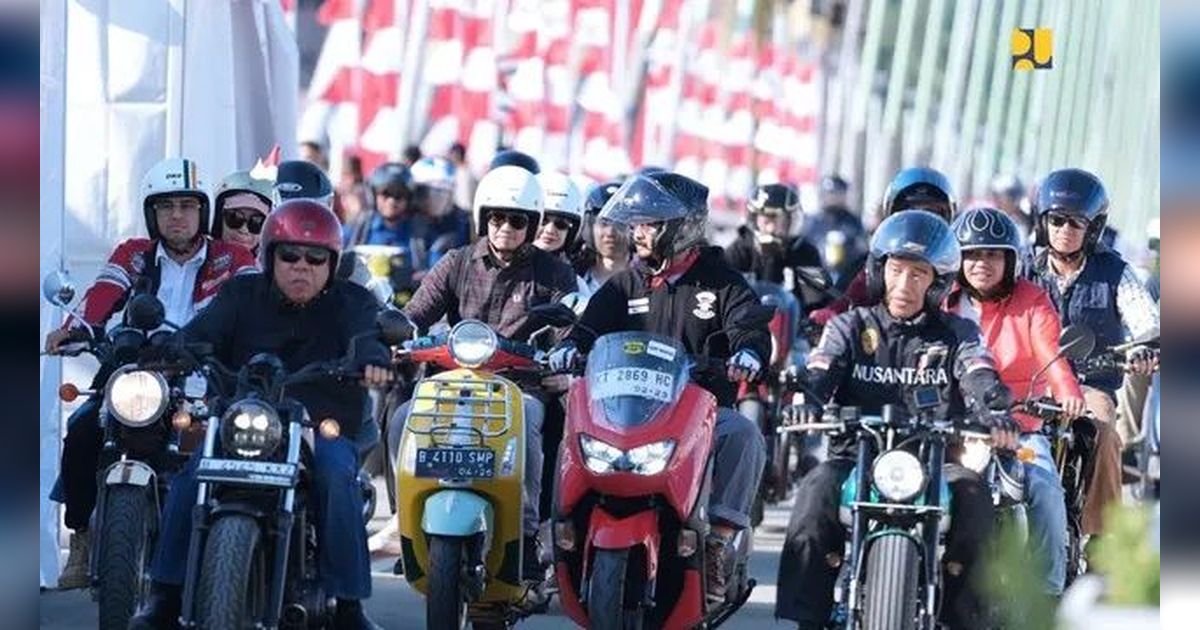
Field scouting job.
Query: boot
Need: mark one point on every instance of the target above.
(76, 574)
(532, 568)
(162, 608)
(350, 615)
(718, 552)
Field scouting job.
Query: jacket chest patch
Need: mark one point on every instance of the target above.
(639, 305)
(705, 300)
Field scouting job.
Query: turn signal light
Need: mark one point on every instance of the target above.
(68, 392)
(329, 429)
(1026, 455)
(181, 420)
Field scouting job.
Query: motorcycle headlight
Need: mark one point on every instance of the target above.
(976, 454)
(136, 398)
(651, 459)
(602, 457)
(898, 475)
(472, 343)
(598, 456)
(251, 429)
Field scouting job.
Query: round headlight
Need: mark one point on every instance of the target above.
(472, 343)
(251, 429)
(136, 398)
(898, 475)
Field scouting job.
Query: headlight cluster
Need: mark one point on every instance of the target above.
(898, 475)
(136, 398)
(251, 429)
(602, 457)
(472, 343)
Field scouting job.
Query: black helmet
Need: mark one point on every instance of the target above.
(1076, 193)
(920, 187)
(299, 179)
(774, 199)
(681, 203)
(917, 234)
(598, 196)
(392, 179)
(512, 157)
(989, 228)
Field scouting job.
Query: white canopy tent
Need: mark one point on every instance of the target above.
(124, 84)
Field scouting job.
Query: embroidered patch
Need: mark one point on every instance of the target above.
(639, 305)
(222, 261)
(705, 300)
(870, 340)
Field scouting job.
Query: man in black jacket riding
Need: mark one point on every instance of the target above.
(682, 290)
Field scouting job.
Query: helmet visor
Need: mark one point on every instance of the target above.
(641, 200)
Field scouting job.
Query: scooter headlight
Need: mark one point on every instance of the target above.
(251, 429)
(136, 398)
(651, 459)
(598, 456)
(898, 475)
(976, 454)
(472, 343)
(602, 457)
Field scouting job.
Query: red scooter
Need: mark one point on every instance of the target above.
(634, 474)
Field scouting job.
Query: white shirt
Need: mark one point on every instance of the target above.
(177, 282)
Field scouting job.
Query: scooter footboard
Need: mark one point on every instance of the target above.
(610, 532)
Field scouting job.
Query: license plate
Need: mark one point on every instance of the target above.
(247, 472)
(456, 463)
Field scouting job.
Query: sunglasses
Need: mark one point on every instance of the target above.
(253, 220)
(292, 254)
(561, 223)
(515, 219)
(1059, 220)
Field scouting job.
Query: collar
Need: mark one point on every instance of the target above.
(377, 223)
(675, 270)
(482, 250)
(161, 255)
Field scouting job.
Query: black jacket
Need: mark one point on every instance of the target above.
(709, 297)
(766, 261)
(867, 359)
(250, 316)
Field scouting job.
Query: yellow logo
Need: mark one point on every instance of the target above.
(1032, 48)
(870, 340)
(634, 347)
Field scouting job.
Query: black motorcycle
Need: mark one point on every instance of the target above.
(252, 559)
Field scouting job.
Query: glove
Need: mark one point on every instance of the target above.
(563, 356)
(744, 365)
(998, 398)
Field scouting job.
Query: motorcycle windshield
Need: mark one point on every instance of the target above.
(631, 376)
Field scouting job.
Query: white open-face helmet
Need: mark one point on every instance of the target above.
(511, 189)
(173, 177)
(562, 198)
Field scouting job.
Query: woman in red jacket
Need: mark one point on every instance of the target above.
(1020, 327)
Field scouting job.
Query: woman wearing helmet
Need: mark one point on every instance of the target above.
(240, 209)
(297, 311)
(873, 356)
(606, 247)
(563, 214)
(1020, 328)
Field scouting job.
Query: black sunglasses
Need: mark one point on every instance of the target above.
(561, 223)
(1059, 220)
(253, 220)
(292, 254)
(516, 219)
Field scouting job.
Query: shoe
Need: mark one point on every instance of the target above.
(162, 608)
(398, 568)
(76, 573)
(350, 615)
(532, 568)
(718, 551)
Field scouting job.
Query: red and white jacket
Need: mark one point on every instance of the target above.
(129, 262)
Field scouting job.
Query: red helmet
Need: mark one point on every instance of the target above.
(303, 222)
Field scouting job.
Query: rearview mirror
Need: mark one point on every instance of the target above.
(145, 312)
(58, 289)
(1076, 342)
(554, 314)
(814, 277)
(394, 327)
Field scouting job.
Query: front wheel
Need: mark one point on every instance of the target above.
(606, 605)
(231, 593)
(891, 584)
(122, 561)
(445, 605)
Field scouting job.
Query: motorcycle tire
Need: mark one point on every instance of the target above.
(606, 593)
(445, 604)
(231, 591)
(124, 557)
(890, 589)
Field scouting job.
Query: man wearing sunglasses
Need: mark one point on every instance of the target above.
(300, 312)
(240, 208)
(179, 264)
(1092, 285)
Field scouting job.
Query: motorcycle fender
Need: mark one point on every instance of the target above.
(609, 532)
(456, 513)
(129, 472)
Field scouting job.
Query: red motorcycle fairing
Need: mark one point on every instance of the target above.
(611, 532)
(690, 422)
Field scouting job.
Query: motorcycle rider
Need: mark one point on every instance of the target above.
(837, 232)
(918, 187)
(680, 288)
(241, 206)
(393, 220)
(1092, 285)
(496, 281)
(765, 247)
(297, 310)
(1007, 194)
(184, 268)
(433, 200)
(1020, 328)
(866, 359)
(606, 246)
(563, 216)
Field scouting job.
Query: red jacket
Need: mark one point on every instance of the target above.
(1021, 331)
(128, 261)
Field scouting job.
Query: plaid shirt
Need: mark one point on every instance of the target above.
(496, 295)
